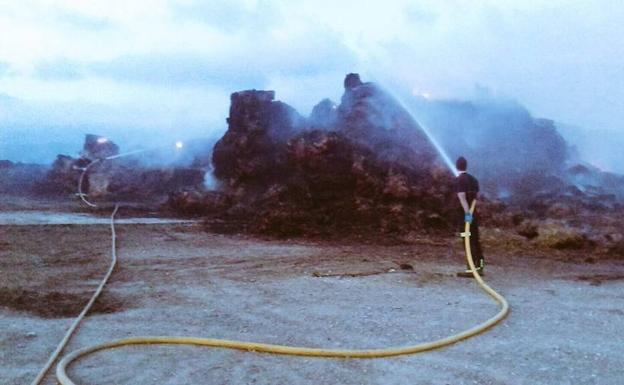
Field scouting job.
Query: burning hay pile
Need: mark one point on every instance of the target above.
(366, 166)
(362, 165)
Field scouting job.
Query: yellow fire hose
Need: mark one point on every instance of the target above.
(63, 378)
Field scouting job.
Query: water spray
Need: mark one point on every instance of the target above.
(445, 157)
(178, 145)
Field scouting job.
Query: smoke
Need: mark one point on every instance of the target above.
(35, 132)
(599, 148)
(497, 133)
(210, 181)
(513, 152)
(176, 86)
(324, 114)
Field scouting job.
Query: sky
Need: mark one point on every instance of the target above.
(166, 68)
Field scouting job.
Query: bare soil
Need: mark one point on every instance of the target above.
(565, 326)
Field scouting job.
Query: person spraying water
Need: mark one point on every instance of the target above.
(100, 149)
(467, 188)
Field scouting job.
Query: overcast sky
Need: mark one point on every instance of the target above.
(168, 66)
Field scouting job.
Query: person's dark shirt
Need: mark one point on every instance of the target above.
(468, 184)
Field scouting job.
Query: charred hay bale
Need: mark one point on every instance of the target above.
(616, 249)
(324, 115)
(613, 237)
(528, 229)
(128, 180)
(323, 161)
(285, 223)
(506, 219)
(560, 210)
(496, 213)
(98, 184)
(186, 202)
(331, 163)
(561, 237)
(98, 147)
(252, 150)
(195, 202)
(396, 185)
(503, 238)
(435, 222)
(63, 176)
(372, 118)
(343, 184)
(65, 171)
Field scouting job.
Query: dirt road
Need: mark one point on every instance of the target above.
(566, 324)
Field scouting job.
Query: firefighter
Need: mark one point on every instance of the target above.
(467, 188)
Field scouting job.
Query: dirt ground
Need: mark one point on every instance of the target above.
(566, 324)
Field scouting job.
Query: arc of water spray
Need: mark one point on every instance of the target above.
(178, 145)
(445, 157)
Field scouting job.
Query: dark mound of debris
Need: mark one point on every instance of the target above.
(362, 166)
(20, 178)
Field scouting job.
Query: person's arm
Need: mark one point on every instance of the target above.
(464, 202)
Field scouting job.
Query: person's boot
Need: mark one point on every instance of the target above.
(479, 265)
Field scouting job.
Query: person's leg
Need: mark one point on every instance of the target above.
(461, 227)
(475, 243)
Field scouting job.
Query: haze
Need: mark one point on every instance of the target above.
(150, 72)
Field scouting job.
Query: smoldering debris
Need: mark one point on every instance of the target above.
(363, 166)
(111, 175)
(20, 178)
